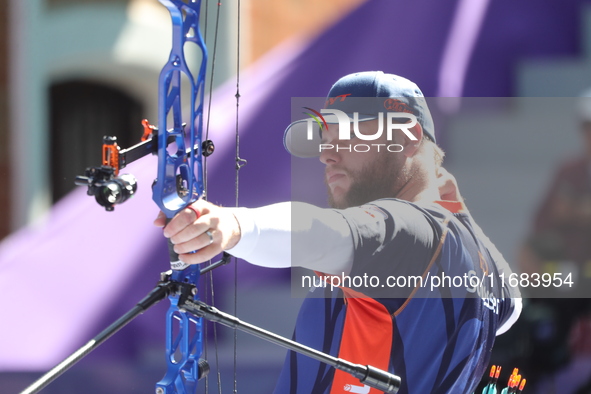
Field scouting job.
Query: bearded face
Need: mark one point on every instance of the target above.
(380, 178)
(356, 178)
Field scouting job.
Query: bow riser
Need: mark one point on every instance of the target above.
(179, 183)
(180, 176)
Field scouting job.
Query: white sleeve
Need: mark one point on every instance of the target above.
(294, 234)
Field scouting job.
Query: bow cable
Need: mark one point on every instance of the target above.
(239, 164)
(209, 280)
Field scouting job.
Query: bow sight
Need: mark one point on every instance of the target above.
(104, 182)
(107, 188)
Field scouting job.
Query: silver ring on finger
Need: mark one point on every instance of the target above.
(210, 235)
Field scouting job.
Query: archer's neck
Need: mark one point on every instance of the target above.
(422, 187)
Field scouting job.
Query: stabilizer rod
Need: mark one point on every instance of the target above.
(371, 376)
(157, 294)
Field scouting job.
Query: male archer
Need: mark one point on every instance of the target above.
(397, 217)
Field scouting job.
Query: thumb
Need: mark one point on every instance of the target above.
(160, 220)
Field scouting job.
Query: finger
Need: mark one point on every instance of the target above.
(445, 176)
(448, 186)
(184, 218)
(202, 255)
(203, 240)
(192, 231)
(160, 220)
(442, 172)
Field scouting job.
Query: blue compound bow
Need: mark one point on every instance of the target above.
(180, 182)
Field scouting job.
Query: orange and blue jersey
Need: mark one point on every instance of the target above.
(436, 332)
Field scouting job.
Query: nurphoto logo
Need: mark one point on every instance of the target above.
(349, 128)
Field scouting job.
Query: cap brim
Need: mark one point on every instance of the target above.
(303, 142)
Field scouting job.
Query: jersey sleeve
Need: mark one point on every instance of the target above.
(336, 241)
(391, 238)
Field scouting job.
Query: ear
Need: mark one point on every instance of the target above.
(411, 147)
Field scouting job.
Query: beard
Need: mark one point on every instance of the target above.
(383, 178)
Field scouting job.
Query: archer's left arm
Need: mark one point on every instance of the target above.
(264, 236)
